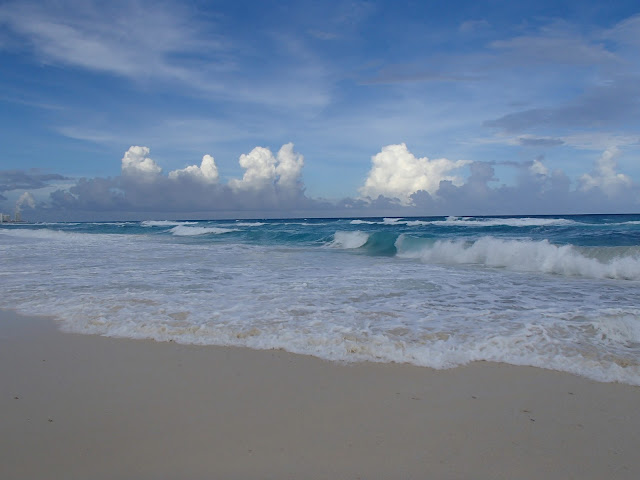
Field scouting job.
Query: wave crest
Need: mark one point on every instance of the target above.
(525, 255)
(164, 223)
(349, 240)
(184, 231)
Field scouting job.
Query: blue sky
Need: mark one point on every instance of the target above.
(407, 107)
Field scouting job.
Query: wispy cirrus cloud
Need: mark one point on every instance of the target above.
(556, 43)
(615, 103)
(166, 43)
(122, 38)
(530, 141)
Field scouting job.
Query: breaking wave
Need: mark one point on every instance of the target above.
(527, 256)
(507, 222)
(472, 222)
(349, 240)
(184, 231)
(164, 223)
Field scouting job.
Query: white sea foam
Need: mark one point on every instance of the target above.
(349, 240)
(619, 327)
(164, 223)
(526, 256)
(631, 222)
(117, 224)
(473, 222)
(250, 224)
(392, 221)
(415, 223)
(509, 222)
(339, 306)
(305, 224)
(363, 222)
(48, 234)
(185, 231)
(66, 224)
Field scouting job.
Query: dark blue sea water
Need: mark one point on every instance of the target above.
(558, 292)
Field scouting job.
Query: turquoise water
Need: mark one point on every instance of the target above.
(557, 292)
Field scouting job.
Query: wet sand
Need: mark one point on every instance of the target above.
(85, 407)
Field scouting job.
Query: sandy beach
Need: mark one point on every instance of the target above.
(79, 407)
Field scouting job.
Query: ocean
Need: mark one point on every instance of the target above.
(557, 292)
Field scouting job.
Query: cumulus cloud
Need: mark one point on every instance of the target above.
(26, 199)
(289, 168)
(271, 183)
(207, 172)
(263, 169)
(397, 173)
(604, 175)
(259, 170)
(538, 168)
(136, 162)
(399, 184)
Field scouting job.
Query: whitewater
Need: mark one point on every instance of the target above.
(557, 292)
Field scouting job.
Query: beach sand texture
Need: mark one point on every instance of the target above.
(86, 407)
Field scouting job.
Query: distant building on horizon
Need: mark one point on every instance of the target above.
(4, 218)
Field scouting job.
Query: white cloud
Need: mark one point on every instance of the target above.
(627, 32)
(397, 173)
(146, 41)
(260, 169)
(207, 172)
(128, 39)
(604, 175)
(538, 168)
(25, 199)
(289, 166)
(471, 26)
(554, 43)
(263, 169)
(600, 140)
(136, 162)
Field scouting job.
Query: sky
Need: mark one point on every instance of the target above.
(253, 109)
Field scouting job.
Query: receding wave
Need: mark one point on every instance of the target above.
(527, 256)
(185, 231)
(45, 234)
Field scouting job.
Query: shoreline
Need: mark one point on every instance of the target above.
(81, 406)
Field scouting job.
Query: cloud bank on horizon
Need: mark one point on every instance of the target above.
(417, 109)
(398, 183)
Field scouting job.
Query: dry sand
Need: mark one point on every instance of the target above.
(83, 407)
